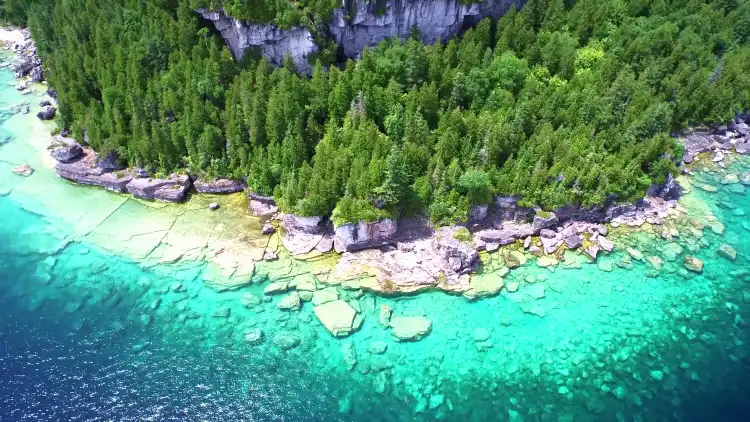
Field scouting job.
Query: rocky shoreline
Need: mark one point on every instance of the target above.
(409, 255)
(82, 165)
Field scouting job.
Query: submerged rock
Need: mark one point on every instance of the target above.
(693, 264)
(337, 316)
(24, 170)
(727, 251)
(291, 302)
(410, 328)
(514, 259)
(254, 336)
(326, 295)
(276, 288)
(286, 340)
(385, 315)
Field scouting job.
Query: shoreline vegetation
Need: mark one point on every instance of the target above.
(404, 151)
(509, 108)
(411, 254)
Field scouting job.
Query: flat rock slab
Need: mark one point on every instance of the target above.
(172, 189)
(84, 170)
(219, 186)
(410, 328)
(337, 316)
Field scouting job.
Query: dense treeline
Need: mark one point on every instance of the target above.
(559, 104)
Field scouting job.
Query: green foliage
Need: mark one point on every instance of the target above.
(350, 210)
(462, 235)
(564, 103)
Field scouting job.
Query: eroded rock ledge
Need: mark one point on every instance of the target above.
(82, 165)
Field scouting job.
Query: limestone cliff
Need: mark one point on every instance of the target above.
(356, 25)
(274, 43)
(362, 23)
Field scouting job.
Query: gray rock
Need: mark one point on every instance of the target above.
(172, 189)
(478, 213)
(574, 241)
(461, 255)
(213, 206)
(254, 336)
(268, 229)
(286, 340)
(47, 113)
(363, 235)
(356, 25)
(605, 244)
(543, 220)
(261, 206)
(410, 328)
(64, 150)
(219, 186)
(274, 43)
(84, 170)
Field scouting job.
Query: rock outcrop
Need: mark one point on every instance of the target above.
(84, 169)
(219, 186)
(261, 206)
(27, 62)
(718, 141)
(354, 236)
(360, 23)
(172, 189)
(356, 25)
(64, 149)
(274, 43)
(47, 113)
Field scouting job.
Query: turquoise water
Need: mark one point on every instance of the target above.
(87, 334)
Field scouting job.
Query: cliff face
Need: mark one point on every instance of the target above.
(274, 43)
(358, 24)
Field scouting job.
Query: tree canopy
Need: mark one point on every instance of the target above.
(558, 102)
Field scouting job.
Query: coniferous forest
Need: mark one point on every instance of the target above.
(559, 102)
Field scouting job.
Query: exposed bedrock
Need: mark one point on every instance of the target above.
(356, 25)
(274, 43)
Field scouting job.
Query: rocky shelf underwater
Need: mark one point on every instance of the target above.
(95, 328)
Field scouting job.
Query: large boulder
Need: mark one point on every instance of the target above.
(410, 328)
(727, 251)
(64, 150)
(693, 264)
(544, 220)
(337, 316)
(361, 235)
(172, 189)
(47, 113)
(219, 186)
(461, 255)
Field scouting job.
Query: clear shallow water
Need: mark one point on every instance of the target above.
(89, 335)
